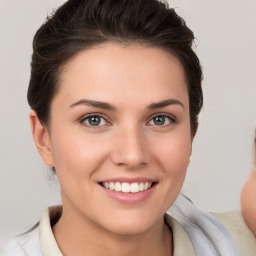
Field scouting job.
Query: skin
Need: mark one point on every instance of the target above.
(248, 202)
(127, 144)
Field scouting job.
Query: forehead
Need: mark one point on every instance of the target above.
(125, 71)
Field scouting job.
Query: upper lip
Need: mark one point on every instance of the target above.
(129, 180)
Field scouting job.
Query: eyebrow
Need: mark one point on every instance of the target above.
(165, 103)
(107, 106)
(93, 103)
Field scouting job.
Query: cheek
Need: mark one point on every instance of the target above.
(77, 154)
(174, 153)
(173, 156)
(77, 158)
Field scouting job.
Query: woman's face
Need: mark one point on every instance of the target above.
(120, 121)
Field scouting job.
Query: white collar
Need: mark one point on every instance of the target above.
(49, 247)
(48, 243)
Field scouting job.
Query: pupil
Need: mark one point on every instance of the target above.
(159, 120)
(94, 120)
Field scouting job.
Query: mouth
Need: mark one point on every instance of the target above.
(126, 187)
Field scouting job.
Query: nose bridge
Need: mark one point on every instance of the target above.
(129, 148)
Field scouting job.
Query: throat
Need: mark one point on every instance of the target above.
(75, 241)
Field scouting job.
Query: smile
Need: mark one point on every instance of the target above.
(125, 187)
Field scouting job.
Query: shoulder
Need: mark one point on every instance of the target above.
(26, 244)
(240, 233)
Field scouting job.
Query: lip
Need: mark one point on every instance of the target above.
(129, 198)
(130, 180)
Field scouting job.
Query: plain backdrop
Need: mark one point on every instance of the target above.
(221, 159)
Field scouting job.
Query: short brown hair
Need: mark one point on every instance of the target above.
(81, 24)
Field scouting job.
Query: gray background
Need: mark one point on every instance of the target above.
(221, 161)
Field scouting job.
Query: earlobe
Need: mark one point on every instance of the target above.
(41, 139)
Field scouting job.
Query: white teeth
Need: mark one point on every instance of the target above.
(141, 186)
(134, 187)
(111, 185)
(105, 184)
(118, 186)
(126, 187)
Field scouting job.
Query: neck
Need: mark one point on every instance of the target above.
(79, 236)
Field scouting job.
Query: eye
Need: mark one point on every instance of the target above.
(161, 120)
(94, 120)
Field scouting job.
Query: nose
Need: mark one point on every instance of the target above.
(130, 149)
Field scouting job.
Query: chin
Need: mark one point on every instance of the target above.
(130, 229)
(131, 223)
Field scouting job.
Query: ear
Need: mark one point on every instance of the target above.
(42, 139)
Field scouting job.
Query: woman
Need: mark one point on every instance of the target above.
(248, 203)
(115, 93)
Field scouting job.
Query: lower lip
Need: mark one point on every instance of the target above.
(129, 198)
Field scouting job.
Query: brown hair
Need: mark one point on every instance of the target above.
(81, 24)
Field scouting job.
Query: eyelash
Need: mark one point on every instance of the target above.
(82, 120)
(171, 118)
